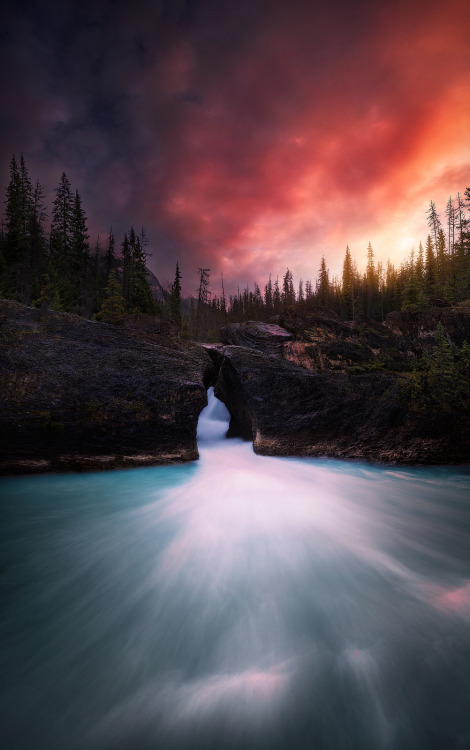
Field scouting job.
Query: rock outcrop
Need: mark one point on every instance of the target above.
(76, 394)
(422, 328)
(336, 389)
(265, 337)
(321, 341)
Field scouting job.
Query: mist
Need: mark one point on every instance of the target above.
(240, 601)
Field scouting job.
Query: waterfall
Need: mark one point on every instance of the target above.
(213, 420)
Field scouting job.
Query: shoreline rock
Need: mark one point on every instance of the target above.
(79, 395)
(336, 392)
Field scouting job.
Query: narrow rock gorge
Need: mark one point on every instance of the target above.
(80, 395)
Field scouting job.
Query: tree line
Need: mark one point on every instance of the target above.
(57, 266)
(438, 273)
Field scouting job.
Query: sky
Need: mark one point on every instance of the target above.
(245, 136)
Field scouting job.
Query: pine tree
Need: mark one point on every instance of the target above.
(462, 270)
(175, 297)
(60, 242)
(462, 223)
(110, 258)
(433, 220)
(49, 295)
(79, 258)
(430, 271)
(392, 289)
(223, 302)
(443, 376)
(97, 278)
(276, 298)
(247, 306)
(141, 298)
(371, 285)
(419, 268)
(268, 298)
(127, 279)
(347, 291)
(441, 260)
(16, 239)
(450, 214)
(323, 284)
(23, 247)
(413, 297)
(61, 227)
(257, 302)
(288, 293)
(202, 298)
(113, 307)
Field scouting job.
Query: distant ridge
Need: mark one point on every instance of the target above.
(159, 293)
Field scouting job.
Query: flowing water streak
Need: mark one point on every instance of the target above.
(242, 601)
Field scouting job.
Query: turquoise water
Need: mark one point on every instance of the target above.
(237, 602)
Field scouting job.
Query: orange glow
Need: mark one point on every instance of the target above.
(284, 166)
(257, 136)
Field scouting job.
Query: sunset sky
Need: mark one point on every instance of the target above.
(244, 135)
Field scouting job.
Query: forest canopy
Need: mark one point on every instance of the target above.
(48, 259)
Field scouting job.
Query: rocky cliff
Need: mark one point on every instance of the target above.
(339, 389)
(75, 394)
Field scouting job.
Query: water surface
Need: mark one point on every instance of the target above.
(237, 602)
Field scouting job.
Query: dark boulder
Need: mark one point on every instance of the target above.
(266, 337)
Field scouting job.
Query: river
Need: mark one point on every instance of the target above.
(236, 602)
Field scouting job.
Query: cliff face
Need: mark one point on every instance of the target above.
(338, 389)
(75, 394)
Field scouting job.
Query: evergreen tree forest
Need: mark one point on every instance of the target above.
(49, 260)
(437, 274)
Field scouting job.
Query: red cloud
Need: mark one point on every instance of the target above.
(300, 149)
(248, 137)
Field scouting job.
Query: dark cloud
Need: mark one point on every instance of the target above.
(243, 135)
